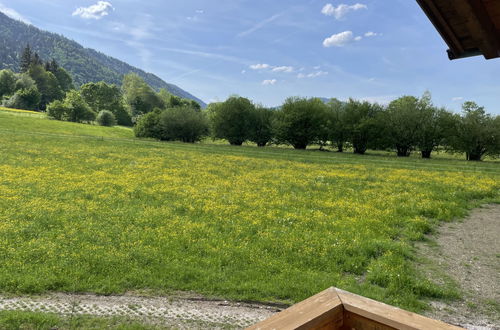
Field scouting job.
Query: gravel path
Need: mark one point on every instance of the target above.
(468, 251)
(165, 311)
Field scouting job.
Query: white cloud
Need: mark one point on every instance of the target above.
(371, 34)
(260, 66)
(97, 11)
(200, 11)
(341, 10)
(457, 98)
(243, 71)
(312, 75)
(339, 39)
(358, 38)
(283, 69)
(13, 14)
(269, 82)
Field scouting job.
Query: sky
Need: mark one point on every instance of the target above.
(374, 50)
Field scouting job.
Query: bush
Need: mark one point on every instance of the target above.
(175, 124)
(73, 108)
(233, 120)
(106, 118)
(27, 99)
(57, 110)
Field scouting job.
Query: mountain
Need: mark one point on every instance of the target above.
(84, 64)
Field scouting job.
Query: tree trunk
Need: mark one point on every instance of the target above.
(300, 146)
(403, 151)
(235, 143)
(426, 153)
(474, 156)
(340, 147)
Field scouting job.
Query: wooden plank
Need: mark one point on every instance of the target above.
(358, 322)
(322, 311)
(441, 25)
(480, 26)
(388, 315)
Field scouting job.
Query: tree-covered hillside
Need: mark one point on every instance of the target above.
(84, 64)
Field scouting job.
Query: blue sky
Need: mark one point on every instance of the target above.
(269, 50)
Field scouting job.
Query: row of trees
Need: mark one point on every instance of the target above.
(407, 124)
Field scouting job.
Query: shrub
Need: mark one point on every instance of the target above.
(57, 110)
(106, 118)
(27, 99)
(175, 124)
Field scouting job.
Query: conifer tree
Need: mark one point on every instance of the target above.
(26, 57)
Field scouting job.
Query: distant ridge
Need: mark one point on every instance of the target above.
(84, 64)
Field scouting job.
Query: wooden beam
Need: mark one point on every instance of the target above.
(442, 26)
(322, 311)
(389, 316)
(481, 26)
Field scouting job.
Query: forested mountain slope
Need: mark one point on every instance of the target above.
(84, 64)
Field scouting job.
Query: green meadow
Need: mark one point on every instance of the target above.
(92, 209)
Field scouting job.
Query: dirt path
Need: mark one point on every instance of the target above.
(468, 251)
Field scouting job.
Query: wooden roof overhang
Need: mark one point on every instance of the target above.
(469, 27)
(335, 309)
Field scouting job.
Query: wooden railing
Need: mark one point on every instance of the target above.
(338, 309)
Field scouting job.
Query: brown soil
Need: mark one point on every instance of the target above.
(468, 252)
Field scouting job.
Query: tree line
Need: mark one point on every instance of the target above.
(408, 124)
(46, 86)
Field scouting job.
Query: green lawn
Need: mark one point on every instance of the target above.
(91, 209)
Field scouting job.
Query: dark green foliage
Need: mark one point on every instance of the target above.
(475, 133)
(7, 83)
(101, 96)
(361, 125)
(47, 85)
(262, 130)
(175, 124)
(233, 120)
(73, 108)
(83, 64)
(106, 118)
(300, 121)
(172, 101)
(25, 59)
(26, 99)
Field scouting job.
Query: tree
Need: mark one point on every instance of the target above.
(148, 125)
(184, 124)
(139, 96)
(338, 132)
(233, 120)
(24, 81)
(7, 83)
(361, 124)
(26, 99)
(172, 101)
(73, 108)
(25, 59)
(101, 96)
(262, 129)
(47, 85)
(106, 118)
(475, 133)
(402, 121)
(299, 121)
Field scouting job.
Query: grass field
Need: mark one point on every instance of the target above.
(90, 209)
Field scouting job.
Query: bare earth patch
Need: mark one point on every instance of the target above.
(468, 252)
